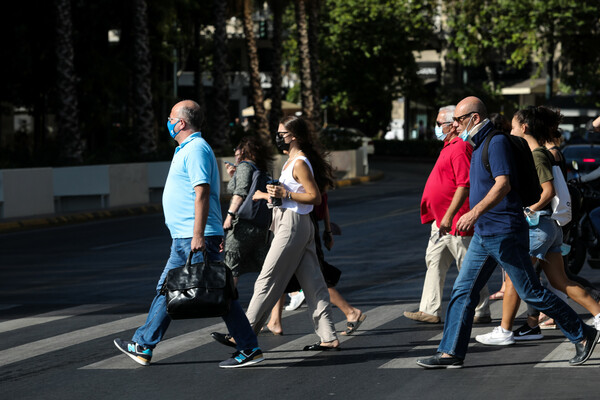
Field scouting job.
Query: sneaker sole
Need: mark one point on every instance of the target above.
(135, 358)
(246, 364)
(528, 337)
(427, 366)
(508, 343)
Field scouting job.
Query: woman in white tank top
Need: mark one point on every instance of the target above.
(292, 251)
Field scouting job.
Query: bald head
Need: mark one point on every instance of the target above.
(471, 104)
(190, 111)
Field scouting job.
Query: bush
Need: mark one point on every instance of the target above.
(408, 148)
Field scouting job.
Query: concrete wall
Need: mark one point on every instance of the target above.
(43, 191)
(26, 192)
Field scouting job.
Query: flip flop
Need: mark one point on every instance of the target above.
(351, 327)
(267, 331)
(317, 347)
(548, 324)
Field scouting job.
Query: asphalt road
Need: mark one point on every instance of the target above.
(66, 292)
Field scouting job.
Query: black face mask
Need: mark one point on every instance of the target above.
(281, 144)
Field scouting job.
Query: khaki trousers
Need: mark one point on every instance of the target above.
(292, 252)
(438, 257)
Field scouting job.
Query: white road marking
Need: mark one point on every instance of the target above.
(55, 343)
(411, 362)
(56, 315)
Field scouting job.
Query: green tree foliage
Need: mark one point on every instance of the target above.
(367, 56)
(484, 32)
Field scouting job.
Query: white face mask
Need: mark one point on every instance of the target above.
(439, 133)
(465, 134)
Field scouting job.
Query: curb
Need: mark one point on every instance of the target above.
(79, 217)
(374, 176)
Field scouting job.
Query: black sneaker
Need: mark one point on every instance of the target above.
(528, 333)
(438, 361)
(584, 351)
(243, 358)
(223, 339)
(139, 354)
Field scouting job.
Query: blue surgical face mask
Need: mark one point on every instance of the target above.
(171, 128)
(439, 133)
(465, 134)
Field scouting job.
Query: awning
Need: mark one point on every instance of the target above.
(530, 86)
(286, 106)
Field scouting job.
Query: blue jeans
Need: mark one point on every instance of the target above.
(511, 252)
(152, 332)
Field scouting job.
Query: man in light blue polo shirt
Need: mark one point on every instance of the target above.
(193, 216)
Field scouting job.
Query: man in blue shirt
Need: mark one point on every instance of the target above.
(193, 216)
(501, 237)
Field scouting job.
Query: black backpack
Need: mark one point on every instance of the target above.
(256, 212)
(528, 183)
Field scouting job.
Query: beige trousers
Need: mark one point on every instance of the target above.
(438, 257)
(292, 252)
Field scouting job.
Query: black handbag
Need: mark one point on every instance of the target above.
(202, 290)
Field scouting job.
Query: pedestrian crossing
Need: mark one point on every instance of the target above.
(279, 357)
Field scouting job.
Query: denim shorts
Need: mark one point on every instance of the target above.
(545, 237)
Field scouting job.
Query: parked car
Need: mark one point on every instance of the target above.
(587, 157)
(340, 138)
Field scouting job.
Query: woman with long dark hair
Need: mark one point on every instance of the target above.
(292, 250)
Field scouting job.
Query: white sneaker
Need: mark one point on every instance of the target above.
(295, 301)
(597, 325)
(497, 337)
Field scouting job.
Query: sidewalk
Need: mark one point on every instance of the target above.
(40, 221)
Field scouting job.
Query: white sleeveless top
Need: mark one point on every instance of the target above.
(291, 185)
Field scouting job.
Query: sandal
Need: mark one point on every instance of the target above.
(499, 295)
(548, 324)
(351, 327)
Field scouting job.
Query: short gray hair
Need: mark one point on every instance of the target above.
(192, 113)
(448, 111)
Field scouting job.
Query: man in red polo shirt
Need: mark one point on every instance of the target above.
(445, 200)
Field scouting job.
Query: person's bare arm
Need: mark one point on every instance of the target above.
(500, 189)
(201, 205)
(303, 176)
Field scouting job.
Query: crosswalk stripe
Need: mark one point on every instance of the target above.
(170, 347)
(560, 356)
(375, 318)
(56, 315)
(411, 362)
(44, 346)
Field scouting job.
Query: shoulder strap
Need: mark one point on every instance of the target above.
(251, 164)
(550, 156)
(485, 159)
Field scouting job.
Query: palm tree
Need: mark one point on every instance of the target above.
(277, 7)
(198, 66)
(260, 115)
(143, 113)
(219, 74)
(314, 8)
(306, 86)
(67, 113)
